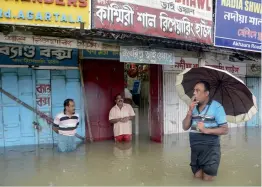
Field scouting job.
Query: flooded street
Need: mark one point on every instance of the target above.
(142, 163)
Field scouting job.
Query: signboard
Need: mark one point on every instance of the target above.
(184, 20)
(109, 55)
(58, 42)
(237, 69)
(238, 24)
(37, 56)
(253, 70)
(146, 56)
(181, 64)
(50, 13)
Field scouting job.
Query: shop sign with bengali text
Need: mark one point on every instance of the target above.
(237, 69)
(58, 42)
(95, 54)
(179, 19)
(12, 54)
(143, 55)
(238, 24)
(182, 64)
(50, 13)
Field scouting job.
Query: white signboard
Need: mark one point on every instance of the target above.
(181, 64)
(235, 68)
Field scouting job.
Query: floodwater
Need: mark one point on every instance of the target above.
(140, 163)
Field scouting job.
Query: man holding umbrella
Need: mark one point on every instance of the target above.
(205, 131)
(215, 97)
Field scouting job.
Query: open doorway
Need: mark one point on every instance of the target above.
(137, 93)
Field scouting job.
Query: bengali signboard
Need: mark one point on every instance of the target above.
(144, 55)
(12, 54)
(181, 64)
(179, 19)
(94, 54)
(237, 69)
(50, 13)
(238, 24)
(57, 42)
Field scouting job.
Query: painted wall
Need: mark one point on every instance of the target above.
(16, 121)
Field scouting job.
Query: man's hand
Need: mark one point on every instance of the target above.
(201, 126)
(193, 104)
(124, 120)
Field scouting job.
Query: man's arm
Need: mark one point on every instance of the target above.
(56, 124)
(131, 113)
(113, 121)
(187, 121)
(112, 118)
(222, 130)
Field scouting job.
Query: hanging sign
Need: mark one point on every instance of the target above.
(49, 13)
(144, 55)
(238, 24)
(11, 54)
(190, 20)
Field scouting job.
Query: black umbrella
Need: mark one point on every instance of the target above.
(238, 101)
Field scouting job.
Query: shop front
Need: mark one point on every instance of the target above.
(42, 78)
(108, 73)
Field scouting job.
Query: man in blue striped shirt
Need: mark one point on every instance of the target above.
(207, 120)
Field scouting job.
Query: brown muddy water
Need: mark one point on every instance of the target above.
(141, 163)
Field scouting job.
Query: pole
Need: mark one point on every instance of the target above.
(80, 55)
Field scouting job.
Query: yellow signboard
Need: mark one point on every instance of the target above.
(50, 13)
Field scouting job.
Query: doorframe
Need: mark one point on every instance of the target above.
(160, 104)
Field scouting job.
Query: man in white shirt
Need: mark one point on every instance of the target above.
(121, 115)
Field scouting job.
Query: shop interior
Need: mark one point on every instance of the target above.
(136, 78)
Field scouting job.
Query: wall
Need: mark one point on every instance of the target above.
(16, 121)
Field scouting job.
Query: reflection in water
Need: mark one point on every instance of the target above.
(140, 163)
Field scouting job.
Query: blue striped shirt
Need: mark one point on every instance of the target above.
(213, 118)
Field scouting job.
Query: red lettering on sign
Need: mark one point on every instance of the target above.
(193, 3)
(49, 1)
(72, 2)
(39, 1)
(60, 2)
(82, 3)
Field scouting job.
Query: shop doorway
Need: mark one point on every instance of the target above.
(137, 94)
(144, 83)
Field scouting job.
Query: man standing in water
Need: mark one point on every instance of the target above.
(65, 123)
(121, 115)
(207, 120)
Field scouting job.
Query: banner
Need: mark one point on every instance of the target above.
(237, 69)
(50, 13)
(238, 24)
(183, 20)
(11, 54)
(58, 42)
(144, 55)
(181, 64)
(94, 54)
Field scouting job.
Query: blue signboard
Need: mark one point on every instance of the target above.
(93, 54)
(12, 54)
(238, 24)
